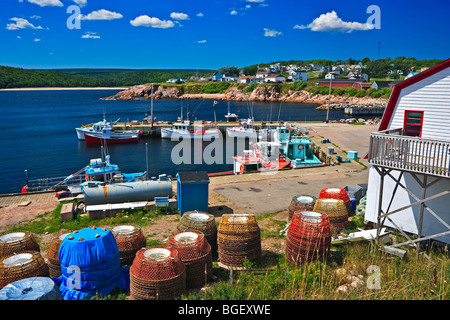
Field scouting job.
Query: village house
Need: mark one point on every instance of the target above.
(217, 76)
(409, 173)
(297, 75)
(278, 78)
(246, 79)
(226, 77)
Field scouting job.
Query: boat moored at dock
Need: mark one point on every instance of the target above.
(101, 131)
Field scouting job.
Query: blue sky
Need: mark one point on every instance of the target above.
(210, 34)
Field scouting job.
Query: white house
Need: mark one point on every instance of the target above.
(229, 77)
(275, 67)
(409, 158)
(297, 75)
(330, 75)
(275, 78)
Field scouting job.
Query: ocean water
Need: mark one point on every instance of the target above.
(38, 132)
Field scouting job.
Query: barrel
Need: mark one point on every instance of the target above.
(16, 242)
(336, 193)
(129, 239)
(195, 252)
(127, 192)
(203, 222)
(90, 264)
(336, 211)
(20, 266)
(308, 238)
(303, 202)
(157, 274)
(238, 238)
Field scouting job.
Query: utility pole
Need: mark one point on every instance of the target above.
(329, 96)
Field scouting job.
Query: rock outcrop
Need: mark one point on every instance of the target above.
(260, 93)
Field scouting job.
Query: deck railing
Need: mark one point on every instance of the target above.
(392, 150)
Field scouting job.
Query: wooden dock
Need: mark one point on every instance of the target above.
(147, 129)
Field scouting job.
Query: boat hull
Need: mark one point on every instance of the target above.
(94, 139)
(169, 134)
(236, 133)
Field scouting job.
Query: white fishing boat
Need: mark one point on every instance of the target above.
(186, 130)
(245, 130)
(104, 131)
(231, 116)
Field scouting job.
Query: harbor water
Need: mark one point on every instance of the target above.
(38, 132)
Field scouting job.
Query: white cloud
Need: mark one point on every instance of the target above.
(146, 21)
(81, 3)
(271, 33)
(200, 14)
(201, 41)
(234, 12)
(330, 22)
(256, 1)
(90, 35)
(179, 16)
(102, 14)
(47, 3)
(37, 40)
(21, 23)
(35, 17)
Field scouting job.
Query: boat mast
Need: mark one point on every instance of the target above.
(151, 112)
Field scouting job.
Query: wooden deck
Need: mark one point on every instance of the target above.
(391, 150)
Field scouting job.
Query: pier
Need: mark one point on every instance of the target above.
(155, 130)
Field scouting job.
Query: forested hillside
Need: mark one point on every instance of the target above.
(27, 78)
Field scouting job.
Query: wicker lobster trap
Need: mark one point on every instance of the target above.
(203, 222)
(129, 240)
(301, 203)
(336, 210)
(16, 242)
(308, 237)
(336, 193)
(157, 274)
(238, 238)
(23, 265)
(195, 253)
(53, 259)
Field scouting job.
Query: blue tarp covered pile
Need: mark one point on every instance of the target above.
(90, 265)
(35, 288)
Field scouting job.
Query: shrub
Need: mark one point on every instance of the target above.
(216, 87)
(251, 87)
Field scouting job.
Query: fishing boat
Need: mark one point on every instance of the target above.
(245, 130)
(102, 131)
(299, 152)
(186, 130)
(98, 171)
(230, 116)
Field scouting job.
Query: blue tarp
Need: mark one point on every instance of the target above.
(90, 266)
(35, 288)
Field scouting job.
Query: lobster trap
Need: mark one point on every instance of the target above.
(157, 274)
(301, 203)
(238, 238)
(203, 222)
(195, 252)
(129, 240)
(336, 193)
(17, 242)
(308, 237)
(336, 210)
(23, 265)
(53, 259)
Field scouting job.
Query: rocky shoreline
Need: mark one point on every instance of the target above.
(261, 93)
